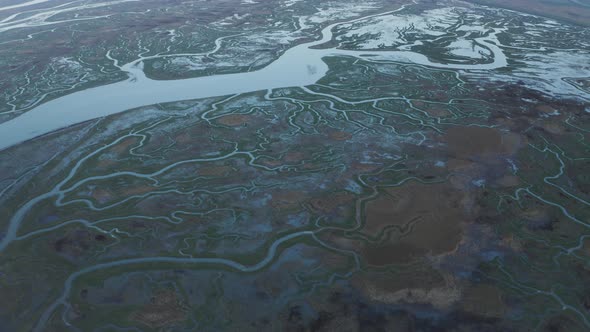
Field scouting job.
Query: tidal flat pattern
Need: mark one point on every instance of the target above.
(292, 165)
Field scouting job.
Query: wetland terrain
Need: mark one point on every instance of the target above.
(294, 165)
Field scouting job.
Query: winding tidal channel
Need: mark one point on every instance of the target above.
(298, 67)
(301, 65)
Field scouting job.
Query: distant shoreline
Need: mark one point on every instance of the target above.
(568, 12)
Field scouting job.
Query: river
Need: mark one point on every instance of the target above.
(299, 66)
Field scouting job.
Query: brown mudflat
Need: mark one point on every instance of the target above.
(163, 310)
(233, 120)
(430, 217)
(480, 141)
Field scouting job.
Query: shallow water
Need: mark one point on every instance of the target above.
(299, 66)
